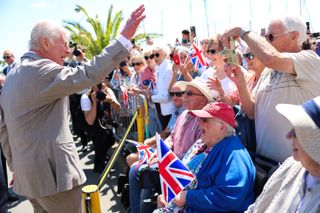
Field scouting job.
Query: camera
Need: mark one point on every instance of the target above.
(100, 95)
(75, 52)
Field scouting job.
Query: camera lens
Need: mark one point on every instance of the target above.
(100, 95)
(76, 52)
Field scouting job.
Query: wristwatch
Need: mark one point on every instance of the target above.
(243, 32)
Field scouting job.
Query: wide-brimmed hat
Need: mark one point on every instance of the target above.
(219, 110)
(305, 120)
(198, 83)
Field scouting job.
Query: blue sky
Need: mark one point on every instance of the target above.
(168, 17)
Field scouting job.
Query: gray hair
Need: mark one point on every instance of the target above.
(45, 29)
(230, 129)
(292, 24)
(182, 49)
(162, 47)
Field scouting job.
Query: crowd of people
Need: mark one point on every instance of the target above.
(225, 121)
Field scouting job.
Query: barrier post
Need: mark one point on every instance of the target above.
(91, 193)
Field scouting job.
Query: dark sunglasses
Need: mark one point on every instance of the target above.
(291, 134)
(157, 55)
(6, 57)
(150, 56)
(190, 93)
(212, 51)
(249, 56)
(136, 64)
(271, 37)
(204, 120)
(178, 94)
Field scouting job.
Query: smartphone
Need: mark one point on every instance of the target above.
(308, 27)
(193, 31)
(176, 59)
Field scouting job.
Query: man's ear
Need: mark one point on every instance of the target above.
(294, 37)
(45, 43)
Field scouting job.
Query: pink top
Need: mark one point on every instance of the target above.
(186, 132)
(148, 75)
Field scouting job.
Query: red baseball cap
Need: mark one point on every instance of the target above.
(219, 110)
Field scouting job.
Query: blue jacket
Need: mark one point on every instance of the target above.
(225, 180)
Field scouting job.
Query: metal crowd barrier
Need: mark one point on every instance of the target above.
(91, 193)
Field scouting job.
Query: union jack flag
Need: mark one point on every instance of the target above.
(145, 152)
(174, 175)
(125, 96)
(196, 57)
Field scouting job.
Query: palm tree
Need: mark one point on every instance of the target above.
(103, 33)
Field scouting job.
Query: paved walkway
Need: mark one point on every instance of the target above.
(110, 201)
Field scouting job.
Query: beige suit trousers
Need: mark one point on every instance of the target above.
(63, 202)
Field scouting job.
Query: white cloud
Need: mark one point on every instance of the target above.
(40, 5)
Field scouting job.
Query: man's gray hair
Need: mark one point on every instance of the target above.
(292, 24)
(46, 29)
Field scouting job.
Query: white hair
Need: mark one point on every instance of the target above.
(182, 49)
(162, 47)
(292, 24)
(46, 29)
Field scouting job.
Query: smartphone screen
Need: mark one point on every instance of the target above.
(176, 59)
(193, 30)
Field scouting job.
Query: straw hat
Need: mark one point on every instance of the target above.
(198, 83)
(305, 120)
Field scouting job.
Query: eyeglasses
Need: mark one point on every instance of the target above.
(136, 64)
(206, 120)
(271, 37)
(147, 57)
(157, 55)
(190, 93)
(178, 94)
(6, 56)
(249, 56)
(212, 51)
(292, 134)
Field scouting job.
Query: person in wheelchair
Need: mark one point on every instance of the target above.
(295, 185)
(224, 171)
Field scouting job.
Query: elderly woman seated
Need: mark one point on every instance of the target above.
(224, 171)
(295, 186)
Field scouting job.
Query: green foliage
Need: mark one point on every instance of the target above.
(103, 33)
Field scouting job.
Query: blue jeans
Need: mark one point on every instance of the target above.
(137, 194)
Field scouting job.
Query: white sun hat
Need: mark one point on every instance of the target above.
(305, 120)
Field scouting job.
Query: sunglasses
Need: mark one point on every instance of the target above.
(157, 55)
(204, 120)
(291, 134)
(6, 57)
(190, 93)
(249, 56)
(178, 94)
(271, 37)
(150, 56)
(212, 51)
(136, 64)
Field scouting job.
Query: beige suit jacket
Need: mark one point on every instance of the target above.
(34, 131)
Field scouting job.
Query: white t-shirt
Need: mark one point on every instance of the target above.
(275, 87)
(227, 84)
(85, 103)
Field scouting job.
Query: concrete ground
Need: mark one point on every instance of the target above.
(110, 200)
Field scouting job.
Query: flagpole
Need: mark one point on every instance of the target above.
(206, 16)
